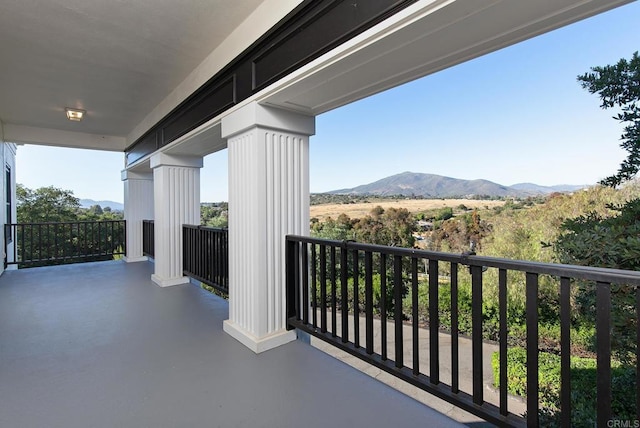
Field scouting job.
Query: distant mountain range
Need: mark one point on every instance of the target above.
(437, 186)
(116, 206)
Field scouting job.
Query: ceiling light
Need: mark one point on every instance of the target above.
(74, 114)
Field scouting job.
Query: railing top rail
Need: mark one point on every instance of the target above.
(65, 222)
(617, 276)
(200, 227)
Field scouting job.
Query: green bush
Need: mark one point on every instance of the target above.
(611, 242)
(583, 387)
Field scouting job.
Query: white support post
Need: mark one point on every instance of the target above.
(138, 206)
(268, 199)
(8, 160)
(176, 194)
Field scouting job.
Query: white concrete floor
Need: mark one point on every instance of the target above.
(100, 345)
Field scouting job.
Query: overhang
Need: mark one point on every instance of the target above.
(138, 69)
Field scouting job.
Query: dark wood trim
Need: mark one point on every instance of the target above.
(312, 29)
(204, 107)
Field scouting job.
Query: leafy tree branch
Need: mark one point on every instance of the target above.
(618, 86)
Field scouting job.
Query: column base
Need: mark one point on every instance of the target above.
(258, 344)
(135, 259)
(168, 282)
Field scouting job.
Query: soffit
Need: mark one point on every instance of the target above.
(422, 39)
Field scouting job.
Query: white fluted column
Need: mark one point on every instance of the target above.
(138, 206)
(268, 199)
(176, 195)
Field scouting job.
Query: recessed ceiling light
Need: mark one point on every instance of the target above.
(74, 114)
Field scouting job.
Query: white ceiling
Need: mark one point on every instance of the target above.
(116, 59)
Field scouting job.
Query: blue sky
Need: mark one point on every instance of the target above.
(516, 115)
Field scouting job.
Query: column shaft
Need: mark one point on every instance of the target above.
(268, 199)
(138, 206)
(176, 202)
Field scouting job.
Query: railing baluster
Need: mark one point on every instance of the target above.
(356, 300)
(334, 290)
(291, 281)
(314, 287)
(39, 242)
(455, 355)
(296, 273)
(213, 262)
(185, 242)
(31, 249)
(213, 270)
(503, 334)
(476, 334)
(397, 306)
(531, 284)
(383, 306)
(101, 241)
(323, 288)
(434, 323)
(414, 318)
(603, 348)
(565, 352)
(305, 282)
(22, 253)
(55, 242)
(48, 249)
(196, 252)
(344, 291)
(368, 297)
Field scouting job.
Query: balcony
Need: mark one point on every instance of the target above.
(99, 344)
(66, 329)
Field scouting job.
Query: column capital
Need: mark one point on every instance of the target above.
(255, 115)
(131, 175)
(163, 159)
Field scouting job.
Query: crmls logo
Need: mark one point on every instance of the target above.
(617, 423)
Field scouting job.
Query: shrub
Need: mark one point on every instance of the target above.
(583, 387)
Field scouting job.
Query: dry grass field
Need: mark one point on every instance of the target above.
(359, 210)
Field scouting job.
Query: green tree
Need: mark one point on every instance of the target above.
(214, 215)
(46, 204)
(611, 240)
(50, 242)
(618, 86)
(393, 227)
(456, 234)
(96, 209)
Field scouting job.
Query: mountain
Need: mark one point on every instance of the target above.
(116, 206)
(437, 186)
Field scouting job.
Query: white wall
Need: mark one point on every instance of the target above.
(7, 159)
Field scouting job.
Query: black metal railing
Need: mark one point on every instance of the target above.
(148, 238)
(206, 255)
(46, 244)
(332, 287)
